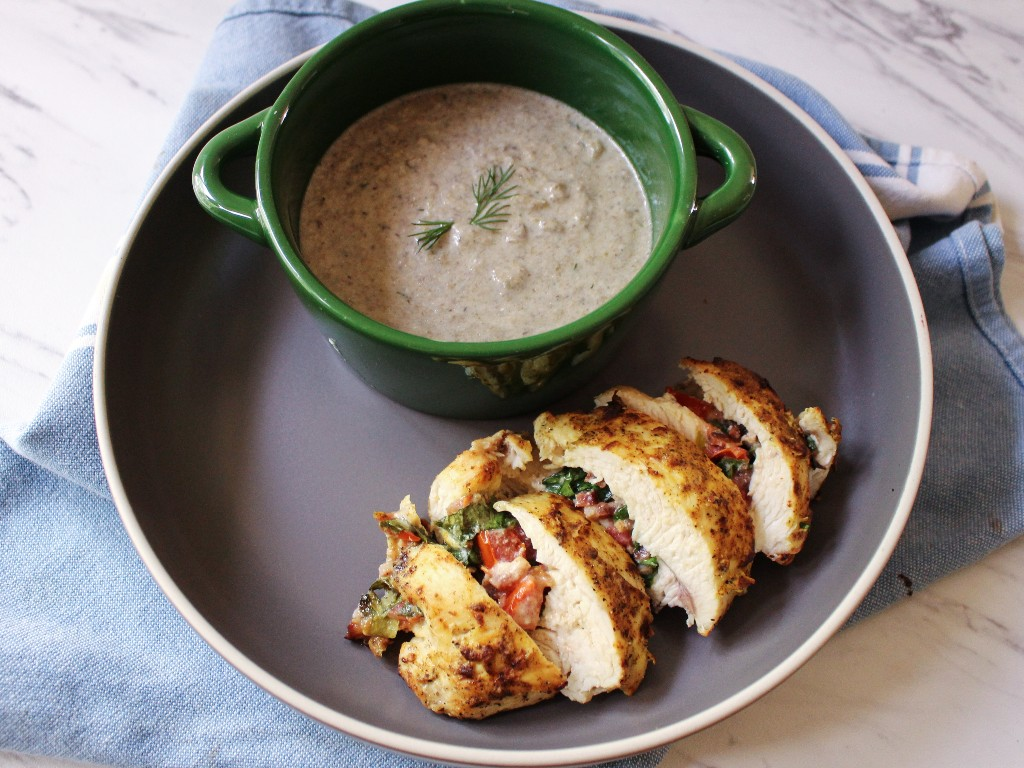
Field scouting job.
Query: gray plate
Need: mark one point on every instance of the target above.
(245, 459)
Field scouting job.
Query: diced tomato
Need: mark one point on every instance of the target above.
(719, 446)
(501, 545)
(705, 410)
(408, 536)
(524, 601)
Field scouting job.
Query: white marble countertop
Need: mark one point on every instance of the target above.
(88, 91)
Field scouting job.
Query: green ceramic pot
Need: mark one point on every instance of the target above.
(518, 42)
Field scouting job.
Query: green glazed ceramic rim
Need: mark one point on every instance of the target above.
(663, 250)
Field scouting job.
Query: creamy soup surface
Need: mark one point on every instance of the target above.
(571, 224)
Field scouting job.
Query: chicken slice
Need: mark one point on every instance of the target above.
(597, 615)
(665, 409)
(467, 659)
(780, 487)
(824, 435)
(684, 510)
(497, 466)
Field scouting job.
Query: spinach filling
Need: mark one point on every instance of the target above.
(382, 610)
(457, 532)
(403, 526)
(572, 481)
(731, 466)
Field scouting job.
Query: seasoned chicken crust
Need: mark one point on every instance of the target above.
(597, 617)
(780, 486)
(665, 409)
(684, 509)
(467, 659)
(497, 466)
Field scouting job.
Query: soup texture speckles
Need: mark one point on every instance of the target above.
(573, 230)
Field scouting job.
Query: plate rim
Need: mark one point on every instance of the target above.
(566, 756)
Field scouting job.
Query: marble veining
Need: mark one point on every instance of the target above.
(16, 99)
(125, 26)
(902, 39)
(87, 94)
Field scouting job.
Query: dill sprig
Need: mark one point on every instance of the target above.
(429, 231)
(490, 190)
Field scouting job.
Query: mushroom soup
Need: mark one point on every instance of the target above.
(475, 212)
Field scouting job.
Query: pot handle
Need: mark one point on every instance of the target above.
(231, 208)
(719, 142)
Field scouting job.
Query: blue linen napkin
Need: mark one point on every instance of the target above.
(971, 499)
(95, 664)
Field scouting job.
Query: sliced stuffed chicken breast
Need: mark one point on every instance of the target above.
(664, 408)
(467, 658)
(597, 616)
(496, 466)
(780, 482)
(681, 509)
(823, 437)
